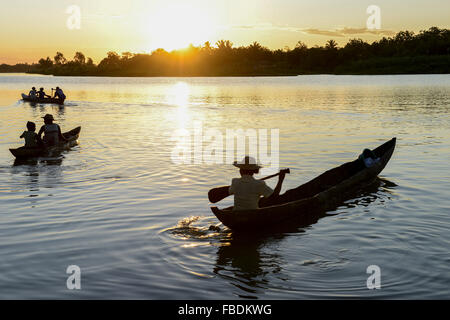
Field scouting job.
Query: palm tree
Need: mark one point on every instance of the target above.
(224, 45)
(331, 45)
(301, 46)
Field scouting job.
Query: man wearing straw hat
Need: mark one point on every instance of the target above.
(52, 132)
(247, 190)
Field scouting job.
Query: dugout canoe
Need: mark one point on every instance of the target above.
(30, 153)
(322, 193)
(46, 100)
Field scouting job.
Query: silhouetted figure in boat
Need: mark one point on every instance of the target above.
(52, 132)
(59, 94)
(248, 191)
(368, 158)
(33, 93)
(42, 94)
(31, 137)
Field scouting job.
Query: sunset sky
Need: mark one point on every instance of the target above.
(33, 29)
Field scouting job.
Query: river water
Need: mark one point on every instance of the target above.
(136, 222)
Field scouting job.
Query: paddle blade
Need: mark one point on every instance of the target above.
(217, 194)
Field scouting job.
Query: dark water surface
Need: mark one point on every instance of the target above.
(138, 225)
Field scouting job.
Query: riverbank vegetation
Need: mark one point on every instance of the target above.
(405, 53)
(17, 68)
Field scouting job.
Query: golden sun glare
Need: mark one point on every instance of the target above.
(175, 27)
(178, 95)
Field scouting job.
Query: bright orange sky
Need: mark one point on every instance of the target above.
(144, 25)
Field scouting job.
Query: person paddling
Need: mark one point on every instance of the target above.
(247, 190)
(52, 132)
(41, 94)
(59, 94)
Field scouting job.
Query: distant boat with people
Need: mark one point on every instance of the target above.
(41, 97)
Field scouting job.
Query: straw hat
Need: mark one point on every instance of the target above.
(248, 163)
(48, 117)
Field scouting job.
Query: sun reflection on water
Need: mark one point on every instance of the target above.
(178, 95)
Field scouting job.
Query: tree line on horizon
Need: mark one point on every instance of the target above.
(406, 52)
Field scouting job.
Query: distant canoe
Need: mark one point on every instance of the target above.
(322, 193)
(46, 100)
(31, 153)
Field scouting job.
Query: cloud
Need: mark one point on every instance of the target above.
(342, 32)
(345, 32)
(266, 27)
(322, 32)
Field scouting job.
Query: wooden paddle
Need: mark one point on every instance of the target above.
(220, 193)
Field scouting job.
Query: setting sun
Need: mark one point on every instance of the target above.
(178, 26)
